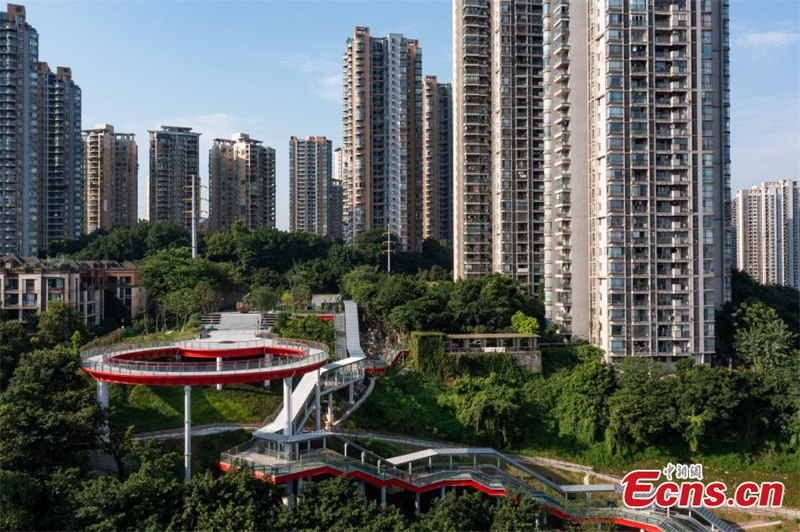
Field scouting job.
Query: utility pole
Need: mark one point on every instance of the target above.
(195, 211)
(388, 251)
(194, 217)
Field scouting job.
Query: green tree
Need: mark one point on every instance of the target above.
(48, 413)
(14, 342)
(263, 298)
(181, 304)
(338, 505)
(148, 498)
(640, 411)
(489, 405)
(582, 409)
(19, 494)
(517, 514)
(761, 338)
(207, 297)
(706, 401)
(234, 501)
(306, 327)
(524, 324)
(59, 322)
(470, 511)
(297, 298)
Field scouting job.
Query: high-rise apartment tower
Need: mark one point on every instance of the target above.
(437, 159)
(382, 165)
(111, 165)
(61, 186)
(241, 178)
(767, 223)
(633, 147)
(41, 157)
(498, 194)
(19, 154)
(311, 185)
(174, 172)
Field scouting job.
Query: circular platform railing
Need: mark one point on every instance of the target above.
(134, 364)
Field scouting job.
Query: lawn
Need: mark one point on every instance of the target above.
(161, 407)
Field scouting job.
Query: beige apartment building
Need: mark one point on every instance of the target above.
(437, 159)
(111, 168)
(174, 173)
(311, 194)
(29, 284)
(635, 185)
(241, 179)
(381, 152)
(767, 223)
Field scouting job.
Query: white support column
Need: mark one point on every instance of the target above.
(318, 402)
(383, 497)
(187, 433)
(299, 490)
(330, 408)
(102, 394)
(290, 494)
(416, 503)
(351, 393)
(287, 405)
(102, 400)
(219, 368)
(441, 492)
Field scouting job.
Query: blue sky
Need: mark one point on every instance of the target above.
(273, 69)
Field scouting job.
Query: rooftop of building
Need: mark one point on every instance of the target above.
(11, 262)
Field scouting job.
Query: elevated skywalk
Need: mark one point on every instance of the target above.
(333, 376)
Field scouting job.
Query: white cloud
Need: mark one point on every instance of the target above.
(774, 38)
(324, 71)
(329, 88)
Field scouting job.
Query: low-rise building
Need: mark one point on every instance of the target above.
(29, 284)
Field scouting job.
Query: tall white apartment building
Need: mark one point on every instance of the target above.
(767, 221)
(241, 183)
(498, 195)
(381, 152)
(311, 185)
(635, 160)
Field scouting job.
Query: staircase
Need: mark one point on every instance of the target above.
(211, 319)
(268, 320)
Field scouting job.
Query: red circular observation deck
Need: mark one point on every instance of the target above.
(203, 362)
